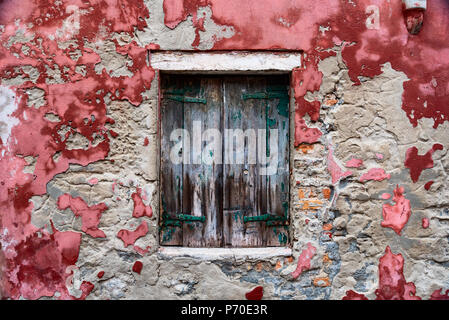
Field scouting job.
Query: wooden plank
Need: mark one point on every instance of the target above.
(278, 180)
(242, 184)
(203, 175)
(170, 174)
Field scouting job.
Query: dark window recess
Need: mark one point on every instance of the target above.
(223, 203)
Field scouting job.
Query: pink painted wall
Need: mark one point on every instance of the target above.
(35, 266)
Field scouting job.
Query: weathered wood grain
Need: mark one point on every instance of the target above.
(212, 185)
(171, 174)
(278, 183)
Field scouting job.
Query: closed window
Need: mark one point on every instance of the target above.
(224, 160)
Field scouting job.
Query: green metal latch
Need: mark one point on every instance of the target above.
(186, 99)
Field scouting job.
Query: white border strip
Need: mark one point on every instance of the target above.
(212, 254)
(226, 61)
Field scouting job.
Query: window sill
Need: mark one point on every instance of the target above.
(213, 254)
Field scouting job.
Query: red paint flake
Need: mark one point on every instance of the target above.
(255, 294)
(425, 223)
(36, 266)
(304, 80)
(93, 181)
(146, 142)
(428, 185)
(304, 134)
(385, 196)
(417, 163)
(86, 288)
(90, 216)
(141, 251)
(438, 295)
(113, 133)
(137, 267)
(308, 80)
(352, 295)
(100, 274)
(379, 156)
(130, 237)
(392, 283)
(140, 209)
(354, 163)
(334, 169)
(304, 260)
(177, 11)
(396, 216)
(377, 174)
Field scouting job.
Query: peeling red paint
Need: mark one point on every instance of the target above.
(377, 174)
(423, 58)
(177, 11)
(141, 251)
(137, 267)
(417, 163)
(90, 216)
(93, 181)
(396, 216)
(255, 294)
(304, 134)
(86, 288)
(130, 237)
(352, 295)
(428, 185)
(385, 196)
(36, 266)
(146, 142)
(304, 260)
(438, 295)
(140, 209)
(100, 274)
(354, 163)
(78, 98)
(392, 283)
(334, 169)
(425, 223)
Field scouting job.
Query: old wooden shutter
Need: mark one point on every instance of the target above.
(225, 203)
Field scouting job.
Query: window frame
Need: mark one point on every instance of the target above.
(188, 64)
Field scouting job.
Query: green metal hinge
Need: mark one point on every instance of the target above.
(264, 95)
(265, 217)
(188, 217)
(171, 223)
(186, 99)
(180, 218)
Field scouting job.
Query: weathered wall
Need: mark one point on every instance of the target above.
(79, 144)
